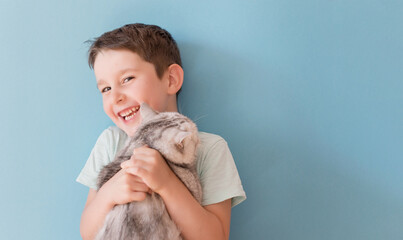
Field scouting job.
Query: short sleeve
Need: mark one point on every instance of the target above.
(104, 151)
(218, 173)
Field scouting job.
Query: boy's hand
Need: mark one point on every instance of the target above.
(124, 188)
(150, 166)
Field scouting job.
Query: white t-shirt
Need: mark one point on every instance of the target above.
(216, 168)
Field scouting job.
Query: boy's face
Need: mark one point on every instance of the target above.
(125, 81)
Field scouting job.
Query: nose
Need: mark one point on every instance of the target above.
(119, 97)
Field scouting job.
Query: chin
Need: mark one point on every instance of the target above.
(130, 132)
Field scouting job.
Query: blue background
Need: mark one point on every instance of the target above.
(308, 95)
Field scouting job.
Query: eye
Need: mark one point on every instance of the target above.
(127, 79)
(105, 89)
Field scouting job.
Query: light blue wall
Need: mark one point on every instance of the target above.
(308, 95)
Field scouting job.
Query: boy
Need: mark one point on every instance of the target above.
(141, 63)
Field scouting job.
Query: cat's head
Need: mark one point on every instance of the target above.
(174, 135)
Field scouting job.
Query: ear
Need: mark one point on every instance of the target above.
(175, 78)
(146, 111)
(180, 137)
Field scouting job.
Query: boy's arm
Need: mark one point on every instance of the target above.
(196, 222)
(191, 221)
(120, 189)
(93, 216)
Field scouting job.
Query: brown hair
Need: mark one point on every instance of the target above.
(152, 43)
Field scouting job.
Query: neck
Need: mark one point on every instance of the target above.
(172, 105)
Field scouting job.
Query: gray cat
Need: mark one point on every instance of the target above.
(176, 138)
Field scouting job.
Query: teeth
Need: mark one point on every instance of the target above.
(127, 115)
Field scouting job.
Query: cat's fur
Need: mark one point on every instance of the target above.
(175, 137)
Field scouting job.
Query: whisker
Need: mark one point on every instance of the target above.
(200, 117)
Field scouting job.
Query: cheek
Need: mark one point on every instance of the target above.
(107, 108)
(158, 101)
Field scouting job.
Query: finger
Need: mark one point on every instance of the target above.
(132, 161)
(148, 152)
(139, 149)
(133, 178)
(140, 187)
(138, 162)
(136, 179)
(138, 171)
(138, 196)
(126, 164)
(143, 149)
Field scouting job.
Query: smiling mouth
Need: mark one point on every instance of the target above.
(129, 114)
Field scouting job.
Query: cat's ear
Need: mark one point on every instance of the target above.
(146, 111)
(180, 137)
